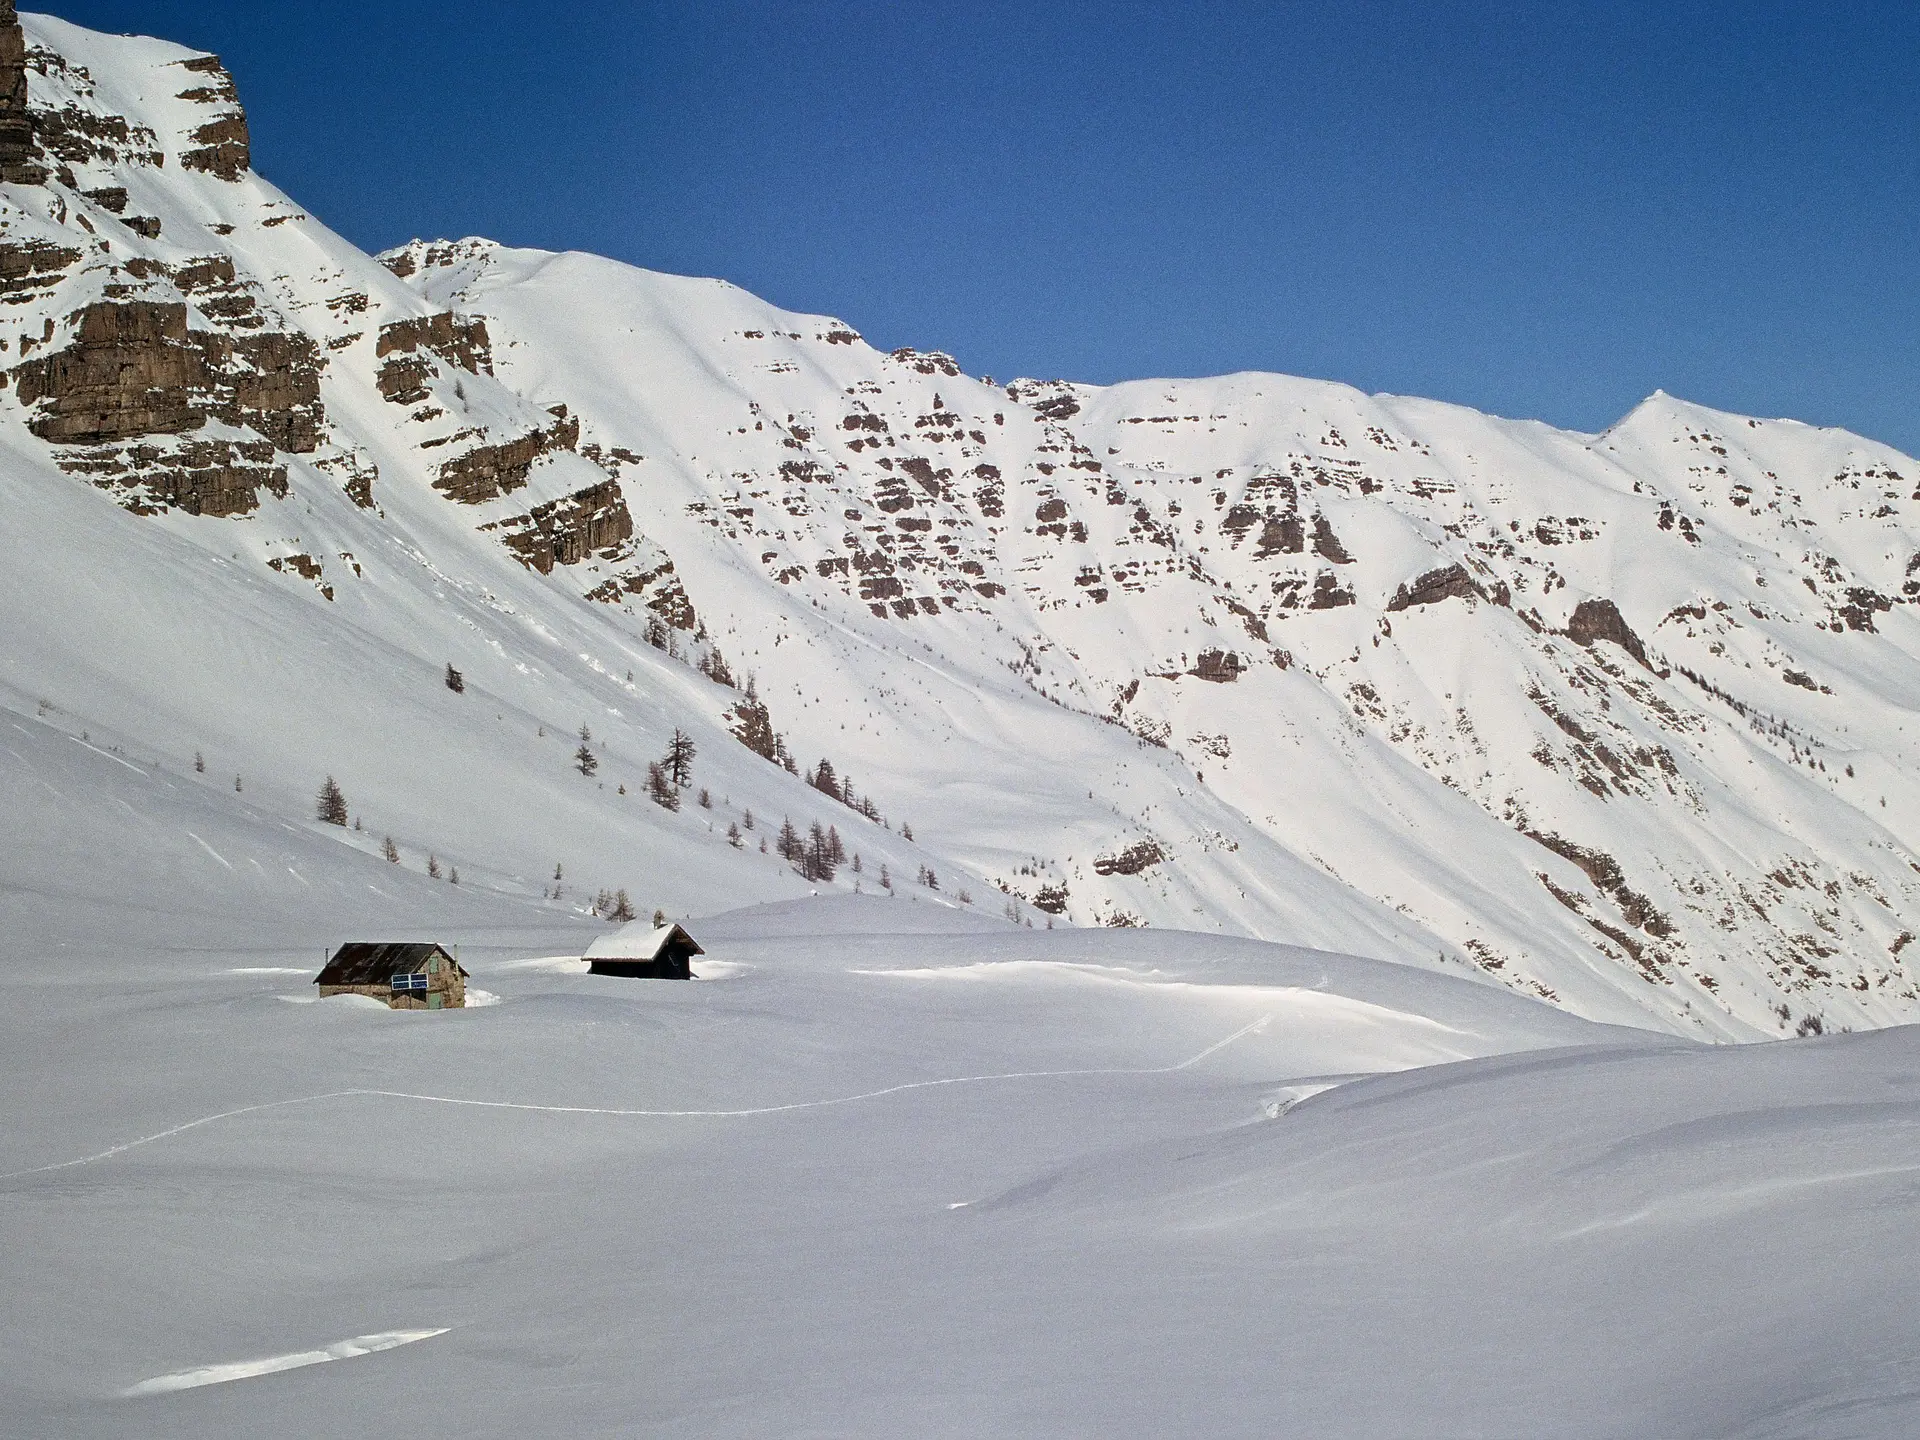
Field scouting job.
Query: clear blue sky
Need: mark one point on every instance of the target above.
(1539, 209)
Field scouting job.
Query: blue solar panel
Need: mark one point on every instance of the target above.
(410, 982)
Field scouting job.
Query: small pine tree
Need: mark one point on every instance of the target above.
(886, 880)
(836, 850)
(679, 759)
(746, 820)
(789, 844)
(856, 862)
(823, 779)
(199, 763)
(584, 760)
(906, 831)
(763, 844)
(816, 856)
(706, 800)
(456, 682)
(236, 785)
(586, 735)
(390, 850)
(453, 875)
(733, 835)
(433, 867)
(660, 788)
(622, 908)
(659, 918)
(331, 807)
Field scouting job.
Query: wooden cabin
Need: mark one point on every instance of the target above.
(644, 951)
(404, 975)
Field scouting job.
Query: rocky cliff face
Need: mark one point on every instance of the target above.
(170, 363)
(16, 128)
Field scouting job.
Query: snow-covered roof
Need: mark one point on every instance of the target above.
(640, 940)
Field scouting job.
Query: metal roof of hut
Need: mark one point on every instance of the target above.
(640, 940)
(377, 962)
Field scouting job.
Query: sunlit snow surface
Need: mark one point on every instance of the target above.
(911, 1172)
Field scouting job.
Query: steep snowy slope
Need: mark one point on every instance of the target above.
(1552, 696)
(1617, 721)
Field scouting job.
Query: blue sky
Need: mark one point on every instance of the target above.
(1544, 210)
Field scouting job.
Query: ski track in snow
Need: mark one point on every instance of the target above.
(273, 1364)
(123, 1148)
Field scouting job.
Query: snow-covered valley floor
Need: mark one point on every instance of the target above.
(891, 1169)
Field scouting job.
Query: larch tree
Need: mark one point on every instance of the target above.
(679, 759)
(331, 806)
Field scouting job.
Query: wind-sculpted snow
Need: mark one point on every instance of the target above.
(1618, 721)
(892, 1176)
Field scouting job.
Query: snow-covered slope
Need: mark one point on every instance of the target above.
(1618, 721)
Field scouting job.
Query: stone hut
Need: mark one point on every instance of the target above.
(403, 975)
(644, 951)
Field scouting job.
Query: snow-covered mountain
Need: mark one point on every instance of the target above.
(1622, 721)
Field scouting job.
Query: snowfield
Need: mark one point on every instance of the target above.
(902, 1176)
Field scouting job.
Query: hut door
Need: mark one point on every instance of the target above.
(435, 1001)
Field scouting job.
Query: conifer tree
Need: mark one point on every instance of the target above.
(433, 867)
(584, 759)
(823, 779)
(456, 682)
(660, 788)
(679, 759)
(331, 807)
(390, 850)
(733, 835)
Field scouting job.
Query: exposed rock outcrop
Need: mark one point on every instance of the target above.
(1141, 856)
(222, 145)
(1601, 620)
(1450, 582)
(17, 166)
(130, 370)
(490, 471)
(32, 269)
(566, 531)
(408, 348)
(134, 368)
(202, 476)
(1220, 666)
